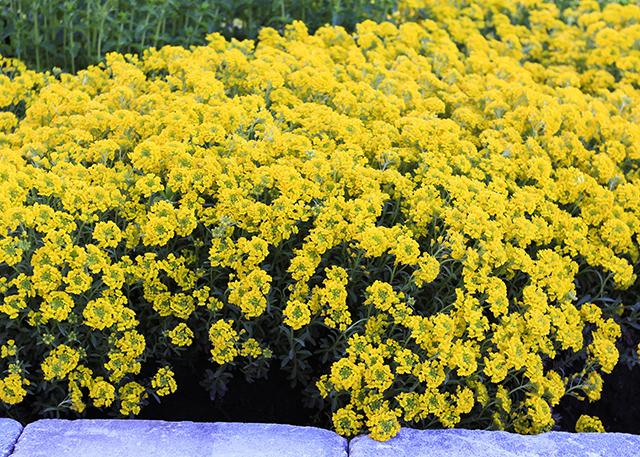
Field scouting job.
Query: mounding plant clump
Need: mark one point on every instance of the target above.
(427, 223)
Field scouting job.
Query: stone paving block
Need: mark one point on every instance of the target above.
(472, 443)
(9, 432)
(141, 438)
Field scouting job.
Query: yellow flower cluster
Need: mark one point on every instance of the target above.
(163, 382)
(12, 388)
(60, 362)
(589, 424)
(181, 335)
(446, 209)
(131, 395)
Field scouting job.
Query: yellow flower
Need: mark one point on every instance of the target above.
(605, 353)
(113, 276)
(347, 422)
(302, 267)
(163, 382)
(149, 184)
(427, 271)
(383, 424)
(249, 292)
(251, 348)
(496, 367)
(60, 362)
(535, 417)
(131, 342)
(56, 306)
(503, 399)
(12, 305)
(182, 305)
(464, 401)
(406, 250)
(12, 389)
(223, 340)
(587, 423)
(157, 231)
(120, 364)
(592, 386)
(100, 313)
(296, 314)
(431, 373)
(131, 395)
(46, 278)
(10, 251)
(411, 406)
(76, 397)
(382, 296)
(107, 234)
(181, 335)
(78, 281)
(102, 392)
(345, 375)
(378, 376)
(96, 258)
(8, 350)
(463, 359)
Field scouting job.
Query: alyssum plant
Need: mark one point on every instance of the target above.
(434, 223)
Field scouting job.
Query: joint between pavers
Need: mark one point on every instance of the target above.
(13, 445)
(8, 442)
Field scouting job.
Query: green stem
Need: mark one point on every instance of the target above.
(36, 36)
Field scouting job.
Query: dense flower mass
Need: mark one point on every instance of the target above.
(432, 221)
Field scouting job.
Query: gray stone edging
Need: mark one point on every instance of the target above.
(138, 438)
(143, 438)
(9, 432)
(471, 443)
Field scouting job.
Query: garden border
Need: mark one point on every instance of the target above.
(118, 437)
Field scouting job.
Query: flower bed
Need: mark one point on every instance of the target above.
(434, 223)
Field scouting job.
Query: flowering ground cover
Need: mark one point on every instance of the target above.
(431, 222)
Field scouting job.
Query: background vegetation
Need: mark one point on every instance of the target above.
(72, 34)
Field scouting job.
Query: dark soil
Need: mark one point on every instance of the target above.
(264, 400)
(273, 400)
(618, 408)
